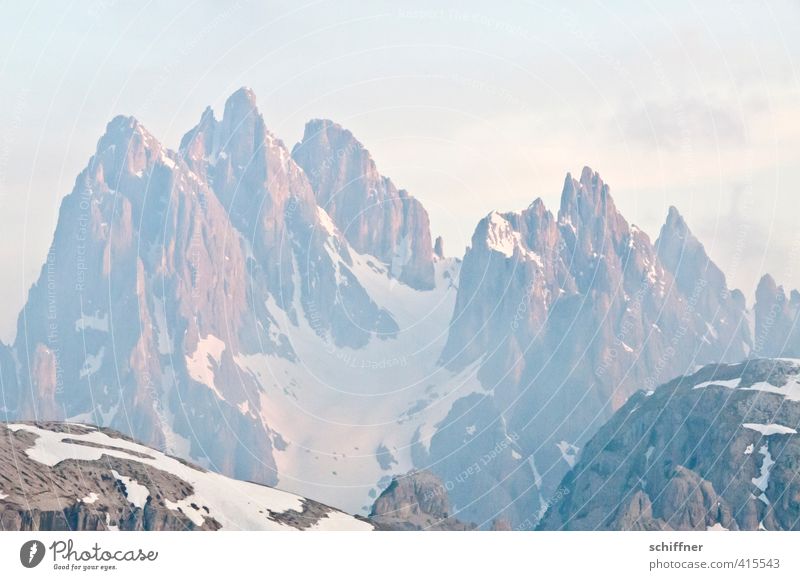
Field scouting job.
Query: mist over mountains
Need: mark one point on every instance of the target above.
(284, 316)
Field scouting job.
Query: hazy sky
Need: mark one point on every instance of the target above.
(469, 107)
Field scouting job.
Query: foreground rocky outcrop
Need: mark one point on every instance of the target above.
(415, 501)
(65, 476)
(715, 450)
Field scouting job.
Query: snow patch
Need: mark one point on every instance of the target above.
(791, 390)
(205, 358)
(136, 493)
(96, 322)
(537, 477)
(762, 481)
(185, 507)
(503, 238)
(93, 363)
(771, 429)
(162, 331)
(91, 498)
(167, 161)
(569, 452)
(326, 222)
(728, 384)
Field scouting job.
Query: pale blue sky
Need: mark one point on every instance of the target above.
(468, 106)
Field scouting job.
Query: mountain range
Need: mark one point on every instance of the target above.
(286, 317)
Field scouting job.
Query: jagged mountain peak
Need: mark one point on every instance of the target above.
(588, 216)
(777, 317)
(438, 247)
(328, 150)
(538, 206)
(374, 215)
(240, 138)
(676, 230)
(329, 130)
(767, 284)
(584, 197)
(675, 219)
(127, 158)
(127, 135)
(240, 108)
(244, 96)
(123, 125)
(686, 257)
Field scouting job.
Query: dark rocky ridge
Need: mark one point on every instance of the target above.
(82, 494)
(681, 458)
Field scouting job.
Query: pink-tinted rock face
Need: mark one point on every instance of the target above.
(269, 201)
(144, 263)
(166, 268)
(375, 217)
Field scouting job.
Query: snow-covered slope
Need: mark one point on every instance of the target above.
(72, 476)
(351, 417)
